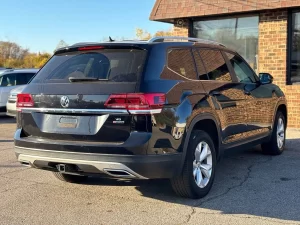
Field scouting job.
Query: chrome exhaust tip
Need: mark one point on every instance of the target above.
(61, 168)
(119, 173)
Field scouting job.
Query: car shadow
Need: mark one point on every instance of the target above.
(7, 120)
(246, 183)
(11, 166)
(6, 141)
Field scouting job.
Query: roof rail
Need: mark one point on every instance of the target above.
(163, 38)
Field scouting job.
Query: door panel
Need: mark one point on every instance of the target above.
(227, 97)
(5, 93)
(262, 106)
(260, 99)
(8, 82)
(229, 103)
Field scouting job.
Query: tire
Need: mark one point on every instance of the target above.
(185, 184)
(274, 146)
(70, 178)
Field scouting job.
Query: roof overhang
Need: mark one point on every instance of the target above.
(169, 11)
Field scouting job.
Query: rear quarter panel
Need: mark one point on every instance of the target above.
(185, 100)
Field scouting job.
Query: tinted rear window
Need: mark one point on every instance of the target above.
(116, 65)
(23, 78)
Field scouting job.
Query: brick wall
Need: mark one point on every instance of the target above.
(272, 44)
(272, 58)
(166, 10)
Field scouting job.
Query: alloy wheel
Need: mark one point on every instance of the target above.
(280, 133)
(202, 165)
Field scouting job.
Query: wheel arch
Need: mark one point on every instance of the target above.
(281, 106)
(215, 132)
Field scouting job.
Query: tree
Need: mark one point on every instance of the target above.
(35, 60)
(145, 35)
(11, 54)
(15, 56)
(11, 50)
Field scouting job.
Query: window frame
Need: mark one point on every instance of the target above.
(233, 71)
(182, 48)
(196, 51)
(289, 46)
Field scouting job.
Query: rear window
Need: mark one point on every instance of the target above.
(116, 65)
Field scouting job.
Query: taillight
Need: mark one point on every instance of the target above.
(137, 103)
(24, 100)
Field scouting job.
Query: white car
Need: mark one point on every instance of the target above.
(10, 79)
(11, 106)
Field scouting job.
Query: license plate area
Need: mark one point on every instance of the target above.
(65, 124)
(68, 122)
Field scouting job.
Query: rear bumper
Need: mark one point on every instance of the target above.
(11, 109)
(130, 166)
(136, 144)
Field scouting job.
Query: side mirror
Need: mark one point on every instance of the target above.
(265, 78)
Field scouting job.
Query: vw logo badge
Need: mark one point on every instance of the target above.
(64, 101)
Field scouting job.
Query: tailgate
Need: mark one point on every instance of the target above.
(84, 118)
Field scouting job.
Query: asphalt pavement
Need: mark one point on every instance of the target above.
(249, 188)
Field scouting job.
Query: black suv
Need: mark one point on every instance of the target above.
(164, 108)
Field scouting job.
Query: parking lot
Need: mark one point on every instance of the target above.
(250, 188)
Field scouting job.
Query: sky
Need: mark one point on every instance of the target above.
(39, 25)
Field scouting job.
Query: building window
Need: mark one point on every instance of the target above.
(239, 34)
(294, 48)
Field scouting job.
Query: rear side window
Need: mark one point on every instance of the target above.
(8, 80)
(215, 64)
(23, 78)
(116, 65)
(181, 61)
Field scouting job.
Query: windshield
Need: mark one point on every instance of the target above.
(118, 65)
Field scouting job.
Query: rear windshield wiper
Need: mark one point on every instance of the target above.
(80, 79)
